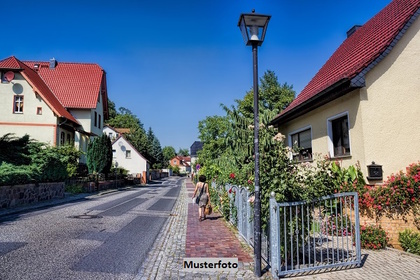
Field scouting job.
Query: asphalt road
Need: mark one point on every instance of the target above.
(103, 237)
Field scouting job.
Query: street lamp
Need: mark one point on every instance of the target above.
(116, 169)
(253, 27)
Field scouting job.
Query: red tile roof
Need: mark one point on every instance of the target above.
(76, 85)
(359, 50)
(38, 86)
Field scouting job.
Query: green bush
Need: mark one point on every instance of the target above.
(15, 175)
(49, 164)
(74, 188)
(410, 241)
(373, 237)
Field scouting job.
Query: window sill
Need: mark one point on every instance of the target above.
(303, 160)
(340, 157)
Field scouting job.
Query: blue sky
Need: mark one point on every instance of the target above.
(172, 63)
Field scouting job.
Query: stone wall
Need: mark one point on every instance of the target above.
(11, 196)
(392, 222)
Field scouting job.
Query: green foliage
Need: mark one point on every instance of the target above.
(15, 175)
(74, 188)
(15, 150)
(183, 152)
(47, 163)
(34, 161)
(70, 155)
(400, 191)
(373, 237)
(112, 112)
(99, 155)
(410, 241)
(272, 96)
(155, 151)
(168, 154)
(176, 170)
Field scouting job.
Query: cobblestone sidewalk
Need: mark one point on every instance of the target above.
(182, 233)
(178, 240)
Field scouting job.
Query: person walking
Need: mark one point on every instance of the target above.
(202, 188)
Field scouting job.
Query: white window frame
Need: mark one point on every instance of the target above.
(127, 153)
(289, 139)
(330, 134)
(18, 104)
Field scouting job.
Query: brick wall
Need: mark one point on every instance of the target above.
(11, 196)
(392, 222)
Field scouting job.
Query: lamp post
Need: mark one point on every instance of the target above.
(116, 173)
(253, 27)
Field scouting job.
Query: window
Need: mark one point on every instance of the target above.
(18, 104)
(99, 121)
(302, 141)
(39, 110)
(339, 136)
(128, 154)
(62, 136)
(68, 139)
(96, 119)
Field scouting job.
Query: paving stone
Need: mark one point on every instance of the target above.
(184, 236)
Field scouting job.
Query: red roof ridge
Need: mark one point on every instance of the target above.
(358, 51)
(10, 63)
(39, 86)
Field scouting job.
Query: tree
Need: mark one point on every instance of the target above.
(99, 155)
(155, 150)
(272, 96)
(112, 111)
(183, 152)
(168, 154)
(15, 150)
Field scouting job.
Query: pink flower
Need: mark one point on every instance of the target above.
(232, 175)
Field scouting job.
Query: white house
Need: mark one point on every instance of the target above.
(126, 156)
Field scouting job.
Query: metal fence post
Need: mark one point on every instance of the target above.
(274, 235)
(357, 226)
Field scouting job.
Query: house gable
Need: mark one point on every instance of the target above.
(345, 69)
(377, 120)
(128, 157)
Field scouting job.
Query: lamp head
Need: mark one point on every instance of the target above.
(253, 27)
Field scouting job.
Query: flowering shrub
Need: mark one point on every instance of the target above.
(373, 237)
(337, 225)
(401, 190)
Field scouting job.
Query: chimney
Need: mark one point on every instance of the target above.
(53, 63)
(352, 30)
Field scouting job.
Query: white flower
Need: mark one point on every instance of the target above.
(279, 137)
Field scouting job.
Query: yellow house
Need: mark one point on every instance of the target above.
(53, 102)
(363, 105)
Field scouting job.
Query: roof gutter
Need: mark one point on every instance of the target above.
(334, 91)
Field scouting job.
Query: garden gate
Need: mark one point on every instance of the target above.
(314, 235)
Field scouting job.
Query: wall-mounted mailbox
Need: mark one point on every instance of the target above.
(374, 171)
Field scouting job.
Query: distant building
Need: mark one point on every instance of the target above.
(194, 149)
(184, 163)
(113, 133)
(125, 155)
